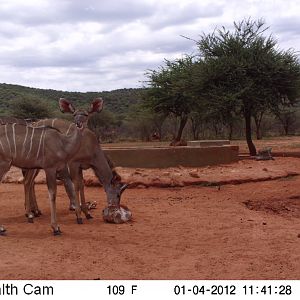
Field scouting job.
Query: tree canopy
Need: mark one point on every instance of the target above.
(30, 108)
(171, 91)
(239, 72)
(246, 73)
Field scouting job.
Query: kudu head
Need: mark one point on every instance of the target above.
(81, 116)
(115, 190)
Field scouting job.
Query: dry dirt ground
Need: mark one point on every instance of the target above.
(223, 231)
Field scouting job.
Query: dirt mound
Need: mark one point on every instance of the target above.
(288, 207)
(237, 173)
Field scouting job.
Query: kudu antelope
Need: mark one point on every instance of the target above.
(61, 175)
(89, 155)
(45, 148)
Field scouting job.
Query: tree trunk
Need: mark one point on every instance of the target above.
(252, 149)
(286, 128)
(216, 129)
(195, 128)
(158, 124)
(160, 132)
(196, 136)
(287, 124)
(257, 127)
(258, 120)
(230, 130)
(258, 133)
(183, 121)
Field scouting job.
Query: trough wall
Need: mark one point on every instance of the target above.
(165, 157)
(208, 143)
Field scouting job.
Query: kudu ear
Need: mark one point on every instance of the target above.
(96, 106)
(66, 106)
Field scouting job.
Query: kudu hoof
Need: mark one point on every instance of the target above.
(79, 221)
(89, 216)
(30, 220)
(57, 231)
(2, 231)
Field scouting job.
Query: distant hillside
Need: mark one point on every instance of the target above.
(117, 101)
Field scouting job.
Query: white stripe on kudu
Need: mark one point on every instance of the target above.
(7, 138)
(2, 146)
(14, 139)
(43, 156)
(69, 128)
(30, 142)
(23, 147)
(40, 142)
(52, 124)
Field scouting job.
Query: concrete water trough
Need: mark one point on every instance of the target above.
(165, 157)
(208, 143)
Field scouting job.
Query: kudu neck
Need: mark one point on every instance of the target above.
(73, 140)
(102, 168)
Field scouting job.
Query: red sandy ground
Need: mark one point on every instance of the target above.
(241, 231)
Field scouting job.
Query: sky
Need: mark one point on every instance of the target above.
(102, 45)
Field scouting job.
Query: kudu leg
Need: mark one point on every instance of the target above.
(65, 176)
(31, 206)
(4, 168)
(52, 189)
(33, 203)
(82, 196)
(76, 176)
(34, 206)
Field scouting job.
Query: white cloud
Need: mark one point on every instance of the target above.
(102, 45)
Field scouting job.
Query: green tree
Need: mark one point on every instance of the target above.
(142, 122)
(244, 70)
(287, 117)
(104, 125)
(170, 91)
(30, 108)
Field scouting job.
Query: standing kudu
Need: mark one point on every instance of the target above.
(61, 175)
(45, 148)
(89, 155)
